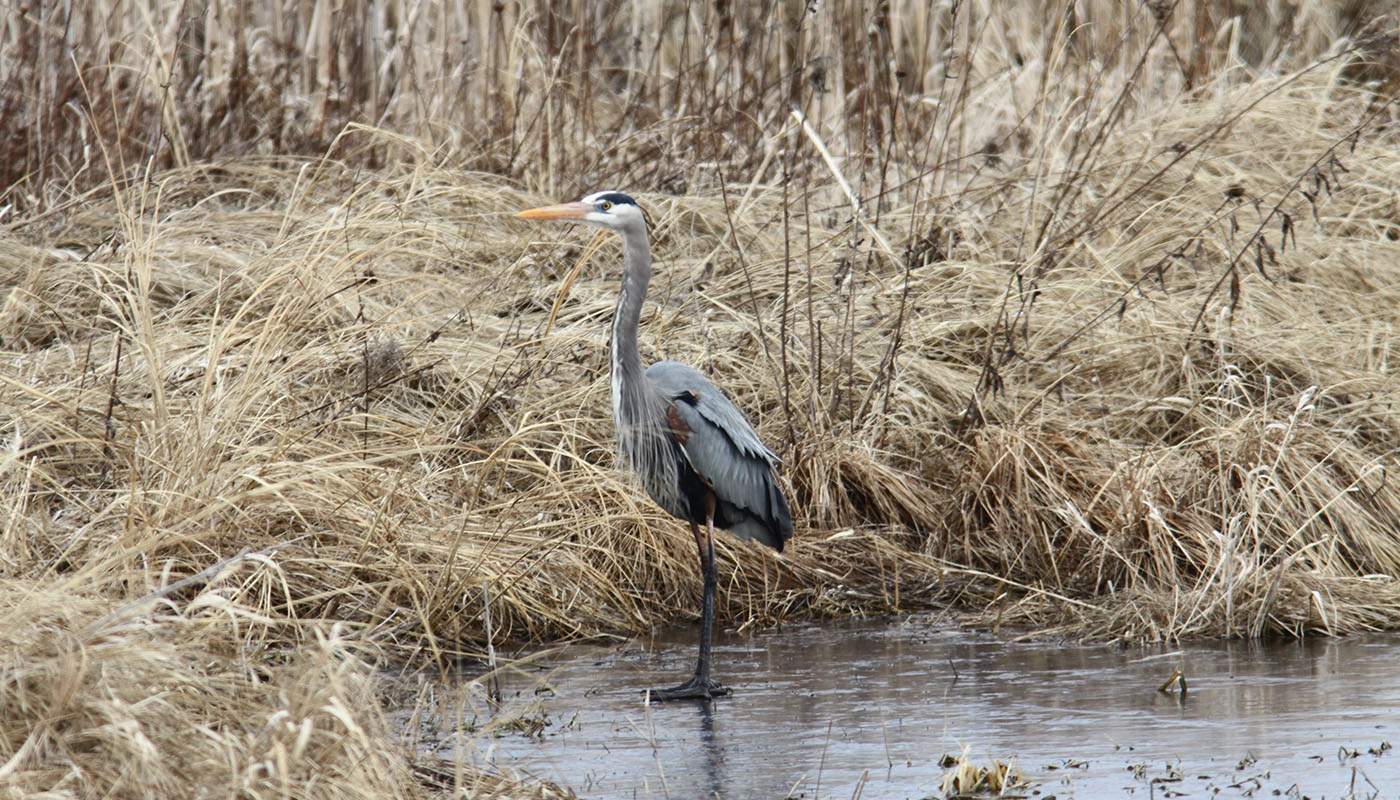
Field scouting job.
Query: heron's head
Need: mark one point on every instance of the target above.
(613, 210)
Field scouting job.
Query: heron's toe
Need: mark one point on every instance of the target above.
(690, 690)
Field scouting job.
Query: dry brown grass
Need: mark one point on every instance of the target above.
(97, 703)
(1103, 348)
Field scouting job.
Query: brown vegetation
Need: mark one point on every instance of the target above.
(1081, 321)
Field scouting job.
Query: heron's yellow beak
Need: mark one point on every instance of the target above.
(561, 211)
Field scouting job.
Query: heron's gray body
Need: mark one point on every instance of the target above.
(707, 446)
(689, 444)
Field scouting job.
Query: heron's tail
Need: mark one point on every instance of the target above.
(771, 526)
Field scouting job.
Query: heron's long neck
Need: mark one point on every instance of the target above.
(628, 383)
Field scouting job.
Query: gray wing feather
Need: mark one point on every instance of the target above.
(674, 379)
(725, 451)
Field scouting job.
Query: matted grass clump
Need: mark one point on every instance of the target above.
(142, 701)
(1082, 326)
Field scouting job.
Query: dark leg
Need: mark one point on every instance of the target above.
(700, 687)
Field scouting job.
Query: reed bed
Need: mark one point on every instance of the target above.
(1077, 322)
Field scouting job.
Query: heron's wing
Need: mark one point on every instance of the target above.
(725, 453)
(719, 415)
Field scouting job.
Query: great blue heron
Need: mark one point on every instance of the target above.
(697, 456)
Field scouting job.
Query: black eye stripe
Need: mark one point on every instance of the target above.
(617, 198)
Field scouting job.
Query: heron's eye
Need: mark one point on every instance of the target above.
(606, 205)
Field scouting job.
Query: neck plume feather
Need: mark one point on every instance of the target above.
(638, 413)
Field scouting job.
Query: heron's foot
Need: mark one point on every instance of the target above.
(693, 689)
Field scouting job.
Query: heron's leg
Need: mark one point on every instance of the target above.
(700, 686)
(707, 607)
